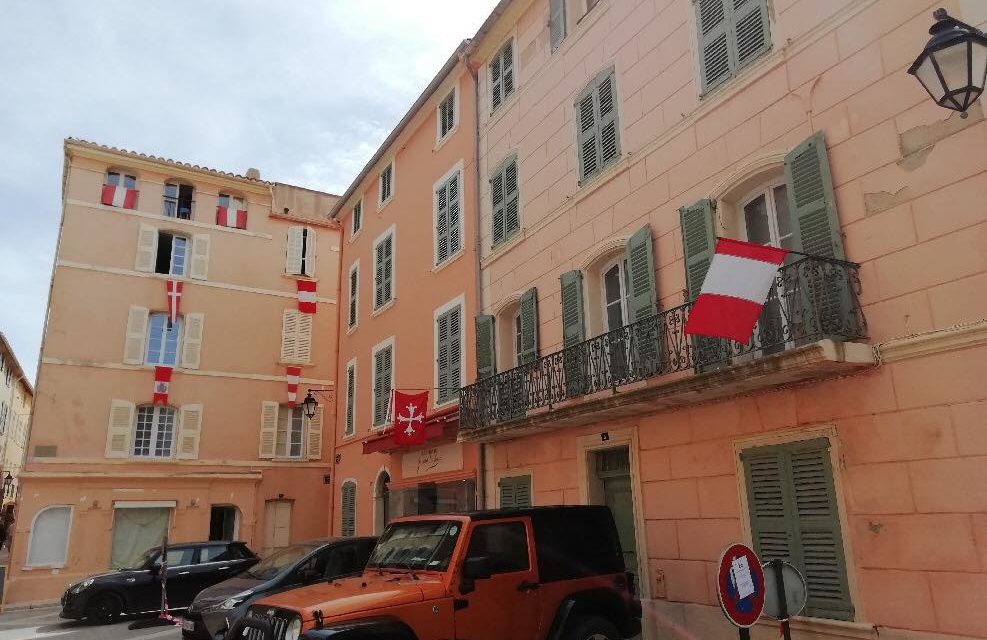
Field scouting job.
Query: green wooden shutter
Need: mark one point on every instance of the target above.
(507, 69)
(587, 117)
(455, 215)
(486, 359)
(811, 199)
(442, 357)
(715, 43)
(529, 326)
(556, 22)
(609, 131)
(498, 231)
(573, 333)
(379, 275)
(512, 209)
(496, 83)
(449, 354)
(382, 385)
(348, 510)
(350, 399)
(642, 300)
(442, 251)
(515, 492)
(750, 30)
(699, 244)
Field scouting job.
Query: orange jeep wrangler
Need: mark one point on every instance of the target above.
(554, 573)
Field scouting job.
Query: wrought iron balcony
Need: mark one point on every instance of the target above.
(812, 299)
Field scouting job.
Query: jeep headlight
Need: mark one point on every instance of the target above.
(81, 586)
(294, 629)
(235, 601)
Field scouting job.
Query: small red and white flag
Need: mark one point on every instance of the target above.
(293, 375)
(174, 290)
(735, 290)
(409, 417)
(117, 196)
(232, 215)
(162, 383)
(306, 296)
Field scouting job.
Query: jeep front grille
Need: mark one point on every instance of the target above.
(279, 625)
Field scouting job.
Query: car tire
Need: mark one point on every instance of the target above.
(103, 608)
(592, 628)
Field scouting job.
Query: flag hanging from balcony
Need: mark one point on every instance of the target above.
(292, 377)
(735, 289)
(119, 196)
(162, 384)
(231, 217)
(306, 296)
(409, 417)
(174, 290)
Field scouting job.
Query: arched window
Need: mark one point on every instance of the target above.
(382, 496)
(178, 200)
(48, 544)
(162, 340)
(348, 508)
(154, 432)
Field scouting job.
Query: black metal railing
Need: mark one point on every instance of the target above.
(812, 298)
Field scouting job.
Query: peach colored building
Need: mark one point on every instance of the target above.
(407, 302)
(223, 455)
(16, 401)
(617, 140)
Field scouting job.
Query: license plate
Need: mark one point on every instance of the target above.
(188, 625)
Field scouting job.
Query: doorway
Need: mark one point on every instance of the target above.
(135, 530)
(222, 523)
(277, 525)
(613, 475)
(382, 498)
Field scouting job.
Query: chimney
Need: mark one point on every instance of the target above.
(253, 174)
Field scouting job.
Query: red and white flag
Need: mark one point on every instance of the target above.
(292, 376)
(174, 290)
(735, 290)
(306, 296)
(117, 196)
(409, 417)
(231, 217)
(162, 383)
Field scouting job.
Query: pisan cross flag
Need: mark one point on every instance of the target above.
(409, 417)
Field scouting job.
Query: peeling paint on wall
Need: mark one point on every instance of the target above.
(917, 143)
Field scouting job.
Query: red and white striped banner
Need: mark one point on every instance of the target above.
(306, 296)
(162, 384)
(231, 217)
(116, 196)
(174, 291)
(293, 375)
(735, 290)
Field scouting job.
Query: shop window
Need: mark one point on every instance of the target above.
(48, 545)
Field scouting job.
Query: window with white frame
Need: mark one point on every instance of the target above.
(163, 339)
(291, 432)
(354, 296)
(447, 114)
(178, 200)
(172, 256)
(384, 269)
(356, 220)
(350, 425)
(502, 83)
(154, 432)
(766, 217)
(448, 218)
(386, 184)
(383, 381)
(49, 541)
(613, 278)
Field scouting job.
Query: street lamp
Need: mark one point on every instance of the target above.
(953, 65)
(7, 481)
(309, 405)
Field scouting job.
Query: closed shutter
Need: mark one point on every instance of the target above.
(486, 358)
(556, 22)
(455, 215)
(296, 337)
(133, 350)
(118, 430)
(199, 265)
(189, 431)
(750, 19)
(383, 271)
(147, 248)
(515, 492)
(586, 121)
(642, 300)
(304, 341)
(354, 289)
(507, 69)
(496, 83)
(598, 130)
(606, 99)
(529, 326)
(293, 256)
(449, 355)
(268, 429)
(350, 427)
(714, 41)
(383, 363)
(348, 510)
(512, 206)
(192, 340)
(442, 250)
(811, 199)
(498, 231)
(308, 263)
(313, 442)
(357, 218)
(699, 245)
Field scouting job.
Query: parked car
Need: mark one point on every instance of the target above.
(191, 568)
(215, 609)
(543, 572)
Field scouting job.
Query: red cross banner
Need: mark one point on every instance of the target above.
(409, 417)
(117, 196)
(292, 376)
(306, 296)
(174, 290)
(162, 383)
(735, 290)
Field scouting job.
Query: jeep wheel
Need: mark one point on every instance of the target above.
(103, 609)
(592, 628)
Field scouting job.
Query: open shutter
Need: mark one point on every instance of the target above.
(199, 265)
(442, 250)
(189, 431)
(350, 427)
(497, 197)
(455, 216)
(118, 429)
(811, 199)
(293, 257)
(382, 385)
(573, 314)
(529, 326)
(192, 340)
(606, 100)
(147, 248)
(750, 20)
(303, 344)
(308, 265)
(486, 358)
(268, 428)
(699, 245)
(642, 300)
(133, 350)
(313, 445)
(289, 335)
(587, 118)
(715, 43)
(556, 22)
(348, 510)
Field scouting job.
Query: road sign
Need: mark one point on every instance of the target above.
(740, 585)
(792, 586)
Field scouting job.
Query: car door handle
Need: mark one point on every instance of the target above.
(223, 568)
(527, 586)
(183, 573)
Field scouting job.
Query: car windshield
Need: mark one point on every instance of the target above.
(425, 545)
(278, 561)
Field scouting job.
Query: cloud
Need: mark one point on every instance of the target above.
(303, 90)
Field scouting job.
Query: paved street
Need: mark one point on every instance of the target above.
(45, 623)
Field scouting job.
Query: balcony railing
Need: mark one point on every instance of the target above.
(811, 299)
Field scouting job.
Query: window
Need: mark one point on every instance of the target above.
(296, 337)
(115, 179)
(154, 432)
(350, 426)
(556, 22)
(49, 540)
(348, 511)
(614, 289)
(794, 516)
(732, 35)
(231, 211)
(222, 524)
(448, 219)
(357, 219)
(504, 545)
(502, 75)
(449, 352)
(515, 492)
(383, 381)
(517, 338)
(767, 219)
(384, 269)
(447, 115)
(119, 190)
(354, 301)
(172, 255)
(291, 432)
(386, 184)
(506, 217)
(178, 201)
(162, 340)
(300, 255)
(598, 132)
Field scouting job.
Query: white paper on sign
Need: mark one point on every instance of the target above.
(742, 578)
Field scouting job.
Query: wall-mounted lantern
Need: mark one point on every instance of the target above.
(953, 65)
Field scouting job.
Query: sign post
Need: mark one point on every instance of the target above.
(740, 587)
(785, 594)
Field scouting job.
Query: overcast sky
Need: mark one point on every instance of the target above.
(304, 90)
